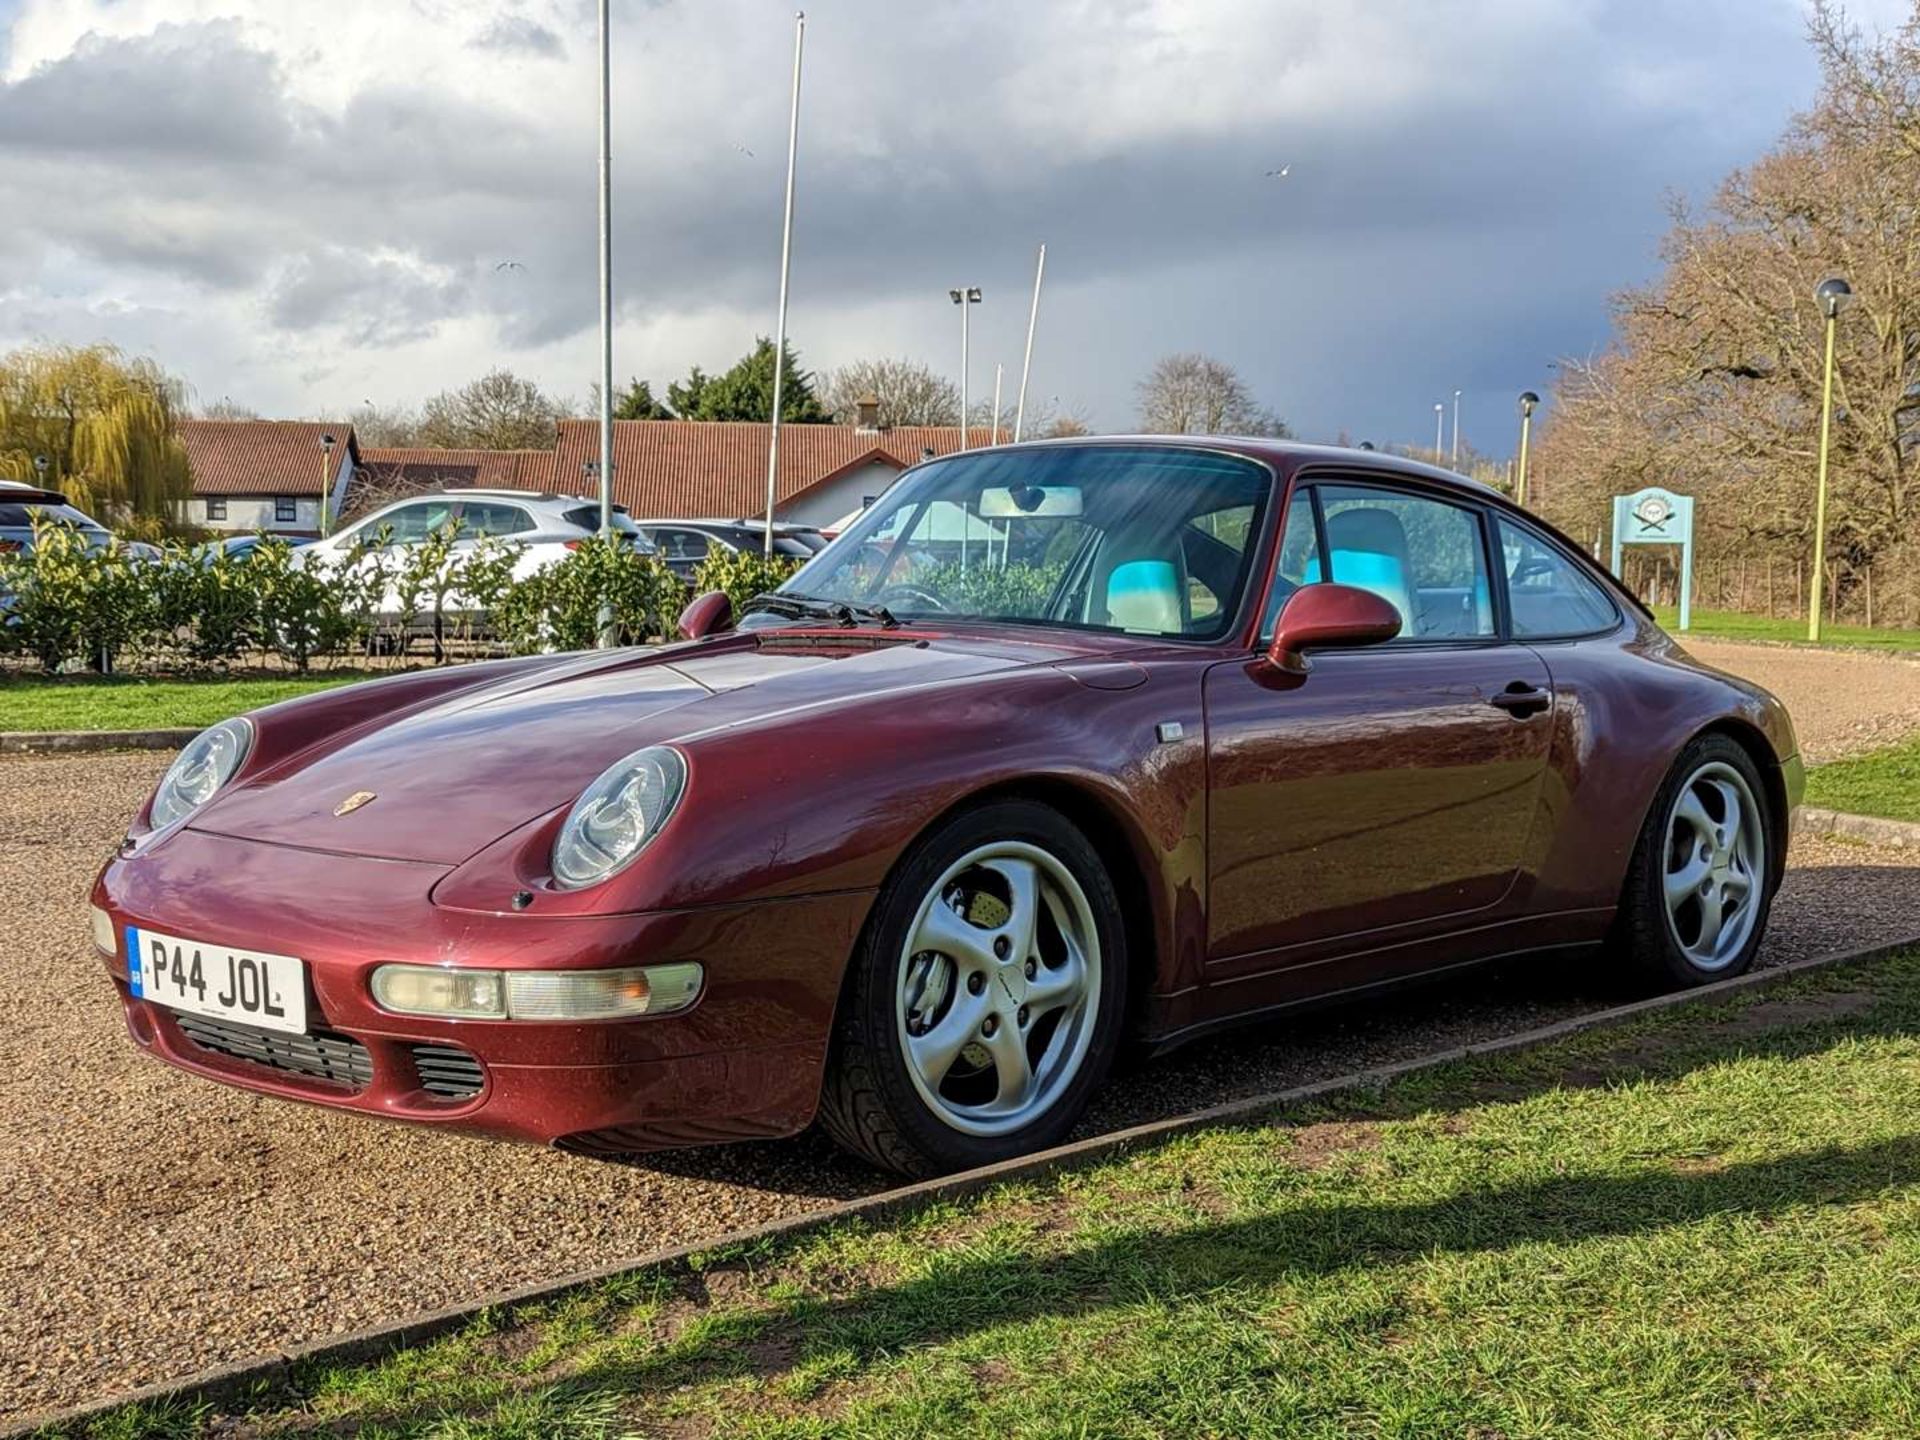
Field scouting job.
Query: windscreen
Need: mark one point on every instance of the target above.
(1151, 540)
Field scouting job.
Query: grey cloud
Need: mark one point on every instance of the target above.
(374, 299)
(516, 34)
(1461, 240)
(185, 90)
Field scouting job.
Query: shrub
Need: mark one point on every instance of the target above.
(742, 574)
(64, 600)
(559, 608)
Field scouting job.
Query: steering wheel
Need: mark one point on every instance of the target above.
(923, 599)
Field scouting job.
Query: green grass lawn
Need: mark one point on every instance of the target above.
(1732, 625)
(1882, 782)
(1707, 1224)
(116, 702)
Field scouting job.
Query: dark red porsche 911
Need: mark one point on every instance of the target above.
(1058, 745)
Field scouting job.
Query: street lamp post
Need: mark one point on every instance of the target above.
(326, 485)
(1527, 402)
(964, 297)
(1456, 430)
(1833, 295)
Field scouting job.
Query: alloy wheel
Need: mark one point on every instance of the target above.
(998, 986)
(1716, 858)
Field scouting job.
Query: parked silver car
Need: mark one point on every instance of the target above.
(542, 527)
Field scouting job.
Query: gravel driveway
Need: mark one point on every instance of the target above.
(152, 1224)
(1842, 701)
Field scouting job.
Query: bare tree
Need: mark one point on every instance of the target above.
(499, 411)
(225, 409)
(1712, 385)
(385, 425)
(908, 393)
(1193, 394)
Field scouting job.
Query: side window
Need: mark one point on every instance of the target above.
(1213, 544)
(406, 526)
(1299, 560)
(1423, 556)
(480, 518)
(413, 523)
(681, 544)
(1547, 593)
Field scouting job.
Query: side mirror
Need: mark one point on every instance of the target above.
(1320, 615)
(705, 615)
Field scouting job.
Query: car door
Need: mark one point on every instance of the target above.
(1388, 792)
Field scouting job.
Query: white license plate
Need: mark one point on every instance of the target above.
(269, 991)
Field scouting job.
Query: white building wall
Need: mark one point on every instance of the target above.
(247, 513)
(835, 500)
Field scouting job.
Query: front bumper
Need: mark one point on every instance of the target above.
(745, 1061)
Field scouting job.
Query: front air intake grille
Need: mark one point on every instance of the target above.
(448, 1071)
(336, 1059)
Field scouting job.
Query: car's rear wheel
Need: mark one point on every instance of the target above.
(1700, 885)
(985, 998)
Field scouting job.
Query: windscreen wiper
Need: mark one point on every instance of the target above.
(813, 607)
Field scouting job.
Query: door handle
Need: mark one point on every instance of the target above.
(1521, 699)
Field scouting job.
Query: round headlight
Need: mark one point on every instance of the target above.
(617, 815)
(200, 770)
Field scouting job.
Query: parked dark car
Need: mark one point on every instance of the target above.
(684, 544)
(22, 505)
(1157, 736)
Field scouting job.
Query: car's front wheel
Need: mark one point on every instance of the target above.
(985, 998)
(1700, 884)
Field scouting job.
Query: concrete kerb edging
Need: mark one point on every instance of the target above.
(237, 1381)
(89, 742)
(1871, 828)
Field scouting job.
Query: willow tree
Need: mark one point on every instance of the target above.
(104, 422)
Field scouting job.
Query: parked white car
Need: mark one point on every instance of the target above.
(542, 527)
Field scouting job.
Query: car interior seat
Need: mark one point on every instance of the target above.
(1369, 548)
(1141, 579)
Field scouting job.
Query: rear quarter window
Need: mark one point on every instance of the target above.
(1549, 593)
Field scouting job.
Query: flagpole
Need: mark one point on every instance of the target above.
(606, 636)
(786, 266)
(1026, 365)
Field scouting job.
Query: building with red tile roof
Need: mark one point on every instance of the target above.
(267, 474)
(680, 469)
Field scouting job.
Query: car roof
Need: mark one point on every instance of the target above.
(1286, 456)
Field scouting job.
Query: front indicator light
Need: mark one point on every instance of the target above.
(537, 994)
(104, 939)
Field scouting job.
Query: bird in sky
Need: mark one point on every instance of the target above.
(1279, 174)
(509, 265)
(745, 151)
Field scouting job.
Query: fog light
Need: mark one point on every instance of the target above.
(432, 990)
(601, 994)
(537, 994)
(104, 940)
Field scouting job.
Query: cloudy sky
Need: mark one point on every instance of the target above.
(301, 205)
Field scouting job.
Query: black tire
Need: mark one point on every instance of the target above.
(870, 1104)
(1645, 933)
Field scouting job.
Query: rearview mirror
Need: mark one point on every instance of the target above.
(706, 615)
(1321, 615)
(1040, 502)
